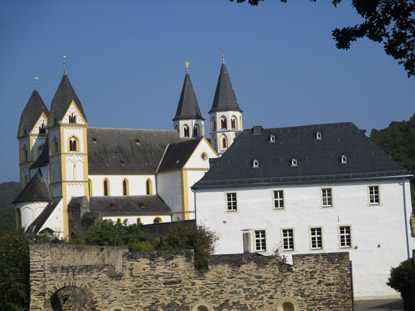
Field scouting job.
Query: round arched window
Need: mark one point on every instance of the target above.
(288, 306)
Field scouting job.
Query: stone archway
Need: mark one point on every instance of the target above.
(72, 298)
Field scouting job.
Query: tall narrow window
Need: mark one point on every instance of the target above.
(260, 241)
(72, 118)
(149, 187)
(42, 129)
(73, 145)
(326, 197)
(223, 124)
(234, 123)
(186, 132)
(196, 131)
(55, 145)
(288, 239)
(106, 187)
(125, 187)
(278, 199)
(231, 205)
(316, 238)
(345, 237)
(139, 221)
(374, 195)
(213, 125)
(224, 142)
(25, 156)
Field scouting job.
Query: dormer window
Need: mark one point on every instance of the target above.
(319, 136)
(272, 138)
(343, 159)
(72, 118)
(294, 162)
(255, 163)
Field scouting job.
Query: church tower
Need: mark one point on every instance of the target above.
(225, 114)
(68, 153)
(31, 135)
(188, 120)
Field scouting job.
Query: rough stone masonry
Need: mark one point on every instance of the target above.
(65, 277)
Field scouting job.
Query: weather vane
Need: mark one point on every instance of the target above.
(187, 66)
(223, 57)
(36, 78)
(64, 64)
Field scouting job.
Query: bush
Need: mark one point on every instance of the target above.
(401, 279)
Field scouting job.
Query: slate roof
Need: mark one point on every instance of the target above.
(318, 160)
(225, 99)
(177, 155)
(35, 190)
(33, 109)
(63, 98)
(40, 220)
(128, 205)
(43, 158)
(188, 107)
(127, 151)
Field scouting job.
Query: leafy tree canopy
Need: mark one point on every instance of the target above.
(389, 22)
(401, 280)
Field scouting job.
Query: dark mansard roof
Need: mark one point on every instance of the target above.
(177, 155)
(127, 151)
(318, 160)
(63, 98)
(128, 205)
(225, 99)
(35, 190)
(33, 110)
(188, 107)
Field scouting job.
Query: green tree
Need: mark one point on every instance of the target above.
(389, 22)
(401, 279)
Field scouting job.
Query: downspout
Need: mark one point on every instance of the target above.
(194, 192)
(406, 219)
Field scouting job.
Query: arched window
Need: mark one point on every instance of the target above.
(196, 131)
(149, 187)
(288, 306)
(139, 221)
(106, 187)
(223, 124)
(72, 118)
(55, 145)
(119, 221)
(125, 187)
(186, 132)
(90, 187)
(213, 125)
(25, 156)
(42, 128)
(18, 218)
(157, 220)
(224, 142)
(73, 144)
(234, 122)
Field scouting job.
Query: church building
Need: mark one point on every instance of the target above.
(127, 175)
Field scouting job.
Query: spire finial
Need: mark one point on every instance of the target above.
(35, 78)
(223, 57)
(64, 64)
(187, 67)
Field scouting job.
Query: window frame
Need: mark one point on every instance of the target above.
(231, 202)
(106, 192)
(324, 191)
(149, 186)
(279, 199)
(261, 239)
(223, 123)
(347, 236)
(73, 144)
(316, 238)
(186, 130)
(291, 240)
(125, 187)
(376, 199)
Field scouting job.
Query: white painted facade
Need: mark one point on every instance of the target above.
(190, 127)
(29, 211)
(379, 233)
(224, 126)
(136, 184)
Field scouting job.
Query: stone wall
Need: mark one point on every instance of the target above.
(66, 277)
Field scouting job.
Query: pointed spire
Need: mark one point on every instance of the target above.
(225, 99)
(35, 191)
(188, 107)
(63, 98)
(33, 110)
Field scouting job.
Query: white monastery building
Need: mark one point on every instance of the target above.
(311, 189)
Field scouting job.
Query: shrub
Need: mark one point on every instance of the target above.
(401, 279)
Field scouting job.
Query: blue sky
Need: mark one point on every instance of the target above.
(126, 61)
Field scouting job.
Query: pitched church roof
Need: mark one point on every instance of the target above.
(188, 107)
(127, 151)
(128, 205)
(225, 99)
(318, 160)
(33, 110)
(35, 191)
(177, 155)
(63, 98)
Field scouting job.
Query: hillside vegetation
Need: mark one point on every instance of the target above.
(8, 192)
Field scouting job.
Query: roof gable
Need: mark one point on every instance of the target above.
(32, 112)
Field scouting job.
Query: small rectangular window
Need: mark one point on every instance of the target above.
(231, 204)
(260, 241)
(316, 238)
(287, 239)
(278, 199)
(345, 237)
(326, 197)
(374, 195)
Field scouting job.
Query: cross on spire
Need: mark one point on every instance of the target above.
(35, 82)
(223, 57)
(64, 64)
(187, 66)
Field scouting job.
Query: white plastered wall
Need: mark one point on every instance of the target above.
(137, 184)
(29, 211)
(229, 132)
(55, 221)
(378, 231)
(169, 187)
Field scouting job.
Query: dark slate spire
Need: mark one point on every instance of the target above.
(33, 110)
(188, 107)
(63, 98)
(225, 99)
(35, 191)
